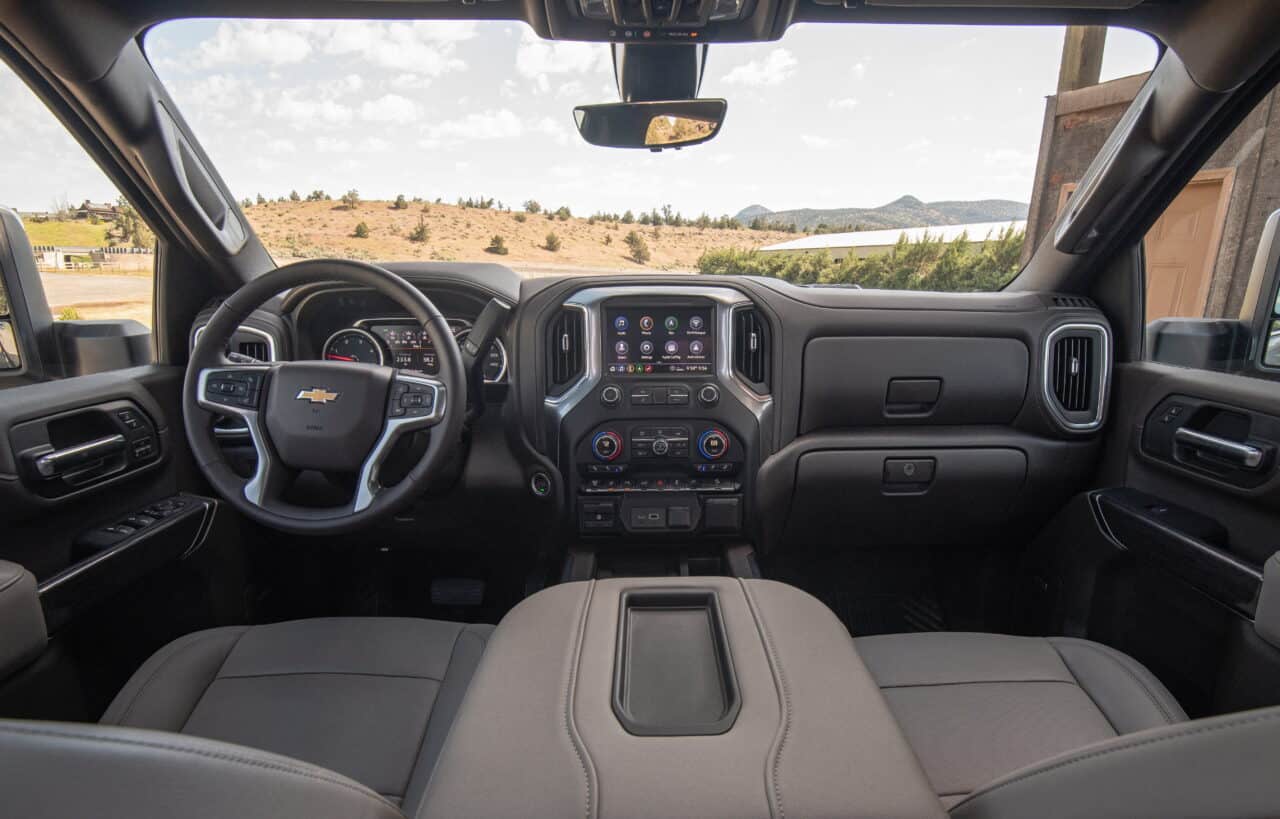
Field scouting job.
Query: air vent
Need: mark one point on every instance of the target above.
(1072, 302)
(1072, 372)
(751, 347)
(255, 349)
(565, 350)
(1075, 377)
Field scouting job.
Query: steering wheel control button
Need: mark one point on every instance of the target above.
(606, 446)
(713, 444)
(611, 395)
(234, 388)
(709, 395)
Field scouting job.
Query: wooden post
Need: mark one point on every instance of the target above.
(1081, 57)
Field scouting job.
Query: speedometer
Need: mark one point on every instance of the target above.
(355, 345)
(495, 360)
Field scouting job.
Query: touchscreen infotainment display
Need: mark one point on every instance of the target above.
(658, 341)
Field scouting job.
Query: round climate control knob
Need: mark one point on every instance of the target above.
(713, 444)
(611, 395)
(660, 446)
(709, 395)
(606, 445)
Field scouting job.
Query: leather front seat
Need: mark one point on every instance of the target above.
(976, 707)
(370, 698)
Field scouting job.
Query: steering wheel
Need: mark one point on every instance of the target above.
(322, 415)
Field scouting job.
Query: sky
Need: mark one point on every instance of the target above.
(829, 116)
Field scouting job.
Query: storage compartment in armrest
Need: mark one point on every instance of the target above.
(673, 673)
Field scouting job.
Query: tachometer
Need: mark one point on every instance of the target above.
(353, 344)
(495, 361)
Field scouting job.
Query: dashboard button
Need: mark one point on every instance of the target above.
(611, 395)
(606, 446)
(660, 446)
(709, 395)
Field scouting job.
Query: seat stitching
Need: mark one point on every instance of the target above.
(571, 684)
(426, 727)
(1083, 690)
(208, 754)
(1164, 712)
(137, 697)
(974, 682)
(775, 664)
(15, 579)
(212, 679)
(1129, 745)
(327, 674)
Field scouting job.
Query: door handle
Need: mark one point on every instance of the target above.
(1244, 456)
(61, 461)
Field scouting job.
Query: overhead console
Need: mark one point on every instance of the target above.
(663, 21)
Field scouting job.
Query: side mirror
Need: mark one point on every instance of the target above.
(652, 125)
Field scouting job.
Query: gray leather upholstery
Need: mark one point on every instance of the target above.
(369, 698)
(51, 770)
(975, 707)
(537, 735)
(1219, 768)
(1266, 619)
(22, 635)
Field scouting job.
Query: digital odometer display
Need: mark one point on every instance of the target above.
(658, 341)
(410, 346)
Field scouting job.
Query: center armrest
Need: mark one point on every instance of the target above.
(771, 712)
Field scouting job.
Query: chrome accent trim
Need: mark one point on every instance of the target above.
(377, 344)
(367, 486)
(590, 302)
(47, 465)
(254, 488)
(1104, 376)
(1243, 455)
(238, 432)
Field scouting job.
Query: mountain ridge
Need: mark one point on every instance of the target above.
(903, 212)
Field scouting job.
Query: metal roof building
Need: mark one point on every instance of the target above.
(871, 242)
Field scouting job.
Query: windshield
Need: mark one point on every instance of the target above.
(877, 156)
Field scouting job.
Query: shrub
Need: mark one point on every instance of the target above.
(520, 217)
(562, 213)
(639, 248)
(497, 245)
(294, 197)
(608, 240)
(261, 200)
(351, 199)
(420, 233)
(553, 242)
(361, 231)
(628, 218)
(532, 206)
(68, 314)
(246, 202)
(401, 203)
(317, 196)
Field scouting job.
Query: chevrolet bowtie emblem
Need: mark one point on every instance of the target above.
(317, 395)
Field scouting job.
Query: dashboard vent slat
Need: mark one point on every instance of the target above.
(565, 350)
(751, 347)
(1073, 381)
(254, 349)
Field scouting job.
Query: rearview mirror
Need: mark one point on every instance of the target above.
(652, 125)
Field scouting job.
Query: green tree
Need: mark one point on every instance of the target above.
(261, 200)
(401, 203)
(497, 245)
(351, 199)
(317, 196)
(638, 247)
(294, 197)
(628, 218)
(532, 206)
(361, 231)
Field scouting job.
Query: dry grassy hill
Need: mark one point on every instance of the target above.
(293, 230)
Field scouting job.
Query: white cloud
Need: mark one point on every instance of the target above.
(540, 60)
(248, 42)
(859, 71)
(294, 106)
(1009, 159)
(391, 108)
(500, 124)
(817, 142)
(373, 145)
(554, 128)
(772, 70)
(280, 145)
(845, 104)
(332, 145)
(426, 49)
